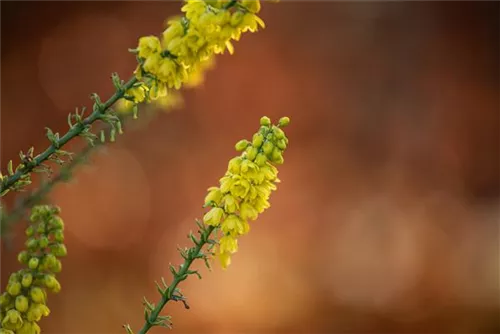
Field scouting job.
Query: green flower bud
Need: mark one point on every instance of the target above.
(281, 144)
(59, 236)
(56, 267)
(22, 304)
(31, 243)
(23, 257)
(277, 156)
(261, 159)
(278, 133)
(252, 153)
(33, 263)
(30, 231)
(5, 299)
(234, 165)
(53, 284)
(37, 295)
(56, 223)
(27, 280)
(241, 145)
(268, 148)
(284, 121)
(14, 288)
(59, 250)
(266, 121)
(36, 311)
(258, 139)
(41, 228)
(43, 242)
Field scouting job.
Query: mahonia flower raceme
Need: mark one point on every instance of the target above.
(245, 189)
(23, 303)
(187, 46)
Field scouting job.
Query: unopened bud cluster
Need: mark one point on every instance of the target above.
(23, 303)
(245, 189)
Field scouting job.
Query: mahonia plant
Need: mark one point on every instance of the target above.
(243, 193)
(23, 303)
(178, 58)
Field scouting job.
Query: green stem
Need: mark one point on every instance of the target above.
(178, 277)
(72, 133)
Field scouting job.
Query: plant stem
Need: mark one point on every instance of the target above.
(72, 133)
(178, 277)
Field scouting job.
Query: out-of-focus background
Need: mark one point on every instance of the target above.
(386, 220)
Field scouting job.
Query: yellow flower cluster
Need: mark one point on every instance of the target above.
(187, 46)
(24, 302)
(245, 188)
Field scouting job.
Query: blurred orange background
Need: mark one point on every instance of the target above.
(386, 220)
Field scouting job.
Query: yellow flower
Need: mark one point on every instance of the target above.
(240, 187)
(225, 259)
(228, 244)
(247, 211)
(234, 225)
(36, 311)
(234, 165)
(230, 204)
(148, 45)
(214, 195)
(213, 217)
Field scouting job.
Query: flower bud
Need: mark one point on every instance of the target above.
(33, 263)
(234, 165)
(22, 303)
(59, 236)
(56, 266)
(37, 295)
(281, 144)
(59, 250)
(56, 222)
(14, 288)
(43, 242)
(52, 283)
(258, 139)
(261, 159)
(278, 133)
(284, 121)
(241, 145)
(5, 299)
(23, 257)
(252, 153)
(268, 148)
(12, 320)
(27, 280)
(31, 243)
(30, 231)
(252, 5)
(266, 121)
(41, 228)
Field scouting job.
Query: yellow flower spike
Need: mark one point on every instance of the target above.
(213, 217)
(148, 45)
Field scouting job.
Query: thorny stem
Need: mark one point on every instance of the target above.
(72, 133)
(178, 277)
